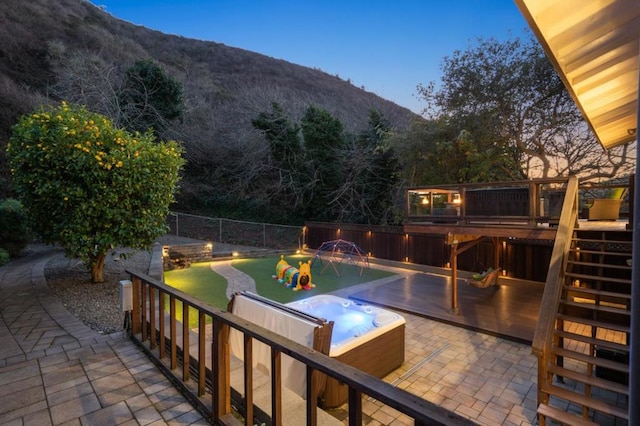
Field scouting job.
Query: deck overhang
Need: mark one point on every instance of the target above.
(483, 230)
(595, 48)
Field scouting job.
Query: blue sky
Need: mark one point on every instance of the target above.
(387, 46)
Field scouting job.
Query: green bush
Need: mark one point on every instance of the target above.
(4, 257)
(14, 227)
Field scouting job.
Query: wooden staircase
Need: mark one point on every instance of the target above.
(584, 369)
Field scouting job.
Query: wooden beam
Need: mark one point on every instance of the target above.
(486, 230)
(460, 238)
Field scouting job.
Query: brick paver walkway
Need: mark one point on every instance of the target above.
(55, 370)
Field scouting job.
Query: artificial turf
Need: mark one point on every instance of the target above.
(262, 270)
(203, 283)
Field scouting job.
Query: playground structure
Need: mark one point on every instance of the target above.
(336, 252)
(292, 277)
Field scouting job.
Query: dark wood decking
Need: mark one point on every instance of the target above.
(509, 310)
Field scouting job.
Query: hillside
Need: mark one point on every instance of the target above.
(70, 49)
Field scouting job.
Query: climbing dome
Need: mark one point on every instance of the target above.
(337, 252)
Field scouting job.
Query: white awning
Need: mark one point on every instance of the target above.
(595, 47)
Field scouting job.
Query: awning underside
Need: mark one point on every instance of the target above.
(595, 47)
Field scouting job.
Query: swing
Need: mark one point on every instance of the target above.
(487, 279)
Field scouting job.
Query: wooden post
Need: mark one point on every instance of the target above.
(312, 397)
(143, 310)
(135, 309)
(161, 317)
(186, 357)
(276, 387)
(202, 362)
(221, 393)
(248, 379)
(152, 318)
(454, 279)
(355, 407)
(453, 240)
(172, 332)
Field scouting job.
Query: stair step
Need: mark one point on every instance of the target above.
(596, 278)
(597, 308)
(596, 292)
(589, 380)
(588, 359)
(599, 265)
(608, 253)
(600, 240)
(594, 323)
(593, 341)
(585, 401)
(563, 417)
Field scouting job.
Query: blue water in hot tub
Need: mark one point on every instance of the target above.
(348, 321)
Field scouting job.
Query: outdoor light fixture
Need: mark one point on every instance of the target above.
(235, 254)
(457, 199)
(425, 199)
(632, 132)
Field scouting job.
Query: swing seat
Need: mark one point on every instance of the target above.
(488, 279)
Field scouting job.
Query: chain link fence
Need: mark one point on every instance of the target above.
(236, 232)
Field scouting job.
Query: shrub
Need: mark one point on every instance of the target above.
(89, 186)
(4, 257)
(14, 228)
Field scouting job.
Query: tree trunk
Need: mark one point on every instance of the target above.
(97, 268)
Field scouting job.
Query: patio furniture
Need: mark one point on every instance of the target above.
(606, 208)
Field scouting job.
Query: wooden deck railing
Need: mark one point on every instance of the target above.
(149, 323)
(525, 202)
(543, 333)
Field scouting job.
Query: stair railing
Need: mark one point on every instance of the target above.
(543, 334)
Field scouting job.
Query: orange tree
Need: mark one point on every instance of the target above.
(89, 186)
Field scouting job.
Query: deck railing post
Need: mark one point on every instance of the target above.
(221, 380)
(312, 397)
(136, 320)
(143, 310)
(152, 318)
(186, 357)
(355, 407)
(276, 387)
(202, 364)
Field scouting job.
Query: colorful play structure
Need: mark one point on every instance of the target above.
(336, 252)
(292, 277)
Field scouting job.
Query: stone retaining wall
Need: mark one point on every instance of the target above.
(182, 255)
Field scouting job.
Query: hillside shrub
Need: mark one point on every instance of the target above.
(14, 227)
(4, 257)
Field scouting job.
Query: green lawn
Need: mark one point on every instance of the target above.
(262, 270)
(201, 282)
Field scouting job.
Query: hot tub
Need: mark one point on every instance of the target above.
(364, 336)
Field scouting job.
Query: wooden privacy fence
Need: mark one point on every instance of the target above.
(205, 376)
(519, 258)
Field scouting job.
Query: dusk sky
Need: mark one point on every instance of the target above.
(389, 47)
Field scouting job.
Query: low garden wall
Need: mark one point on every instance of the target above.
(182, 255)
